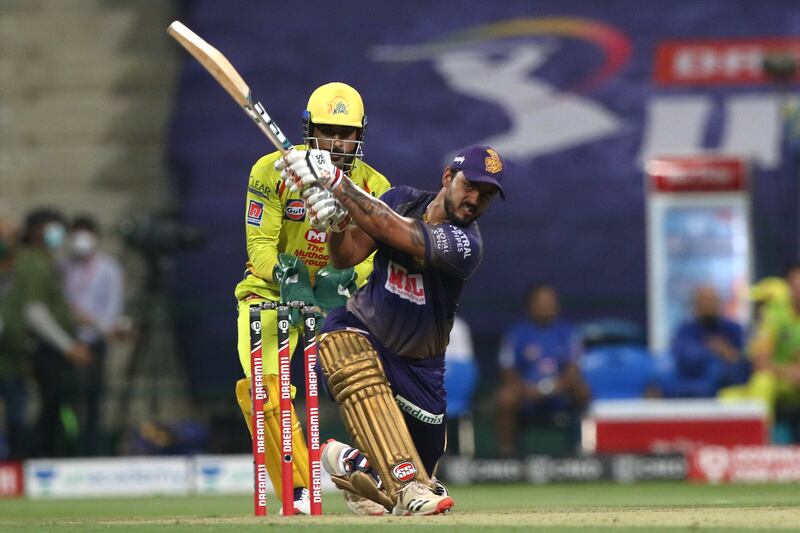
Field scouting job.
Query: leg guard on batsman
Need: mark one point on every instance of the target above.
(358, 383)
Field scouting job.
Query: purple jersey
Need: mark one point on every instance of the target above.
(409, 302)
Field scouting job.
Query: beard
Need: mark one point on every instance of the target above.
(451, 215)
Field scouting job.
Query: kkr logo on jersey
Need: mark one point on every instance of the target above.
(405, 285)
(295, 210)
(255, 211)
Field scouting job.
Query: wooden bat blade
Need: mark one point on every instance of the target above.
(227, 76)
(213, 61)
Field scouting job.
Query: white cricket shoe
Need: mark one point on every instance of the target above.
(302, 502)
(438, 487)
(362, 506)
(420, 500)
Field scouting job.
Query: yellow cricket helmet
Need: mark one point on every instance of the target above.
(771, 290)
(336, 104)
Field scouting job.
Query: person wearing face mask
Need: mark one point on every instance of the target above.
(56, 350)
(94, 288)
(707, 350)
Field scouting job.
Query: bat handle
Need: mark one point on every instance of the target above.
(268, 127)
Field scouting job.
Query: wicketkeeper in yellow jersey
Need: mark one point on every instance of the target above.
(287, 254)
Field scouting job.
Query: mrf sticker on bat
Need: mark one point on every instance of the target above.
(255, 212)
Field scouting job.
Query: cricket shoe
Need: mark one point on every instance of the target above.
(341, 460)
(418, 499)
(302, 501)
(438, 487)
(362, 506)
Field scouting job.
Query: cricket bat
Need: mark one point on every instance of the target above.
(226, 75)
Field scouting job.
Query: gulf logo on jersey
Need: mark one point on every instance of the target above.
(255, 212)
(407, 286)
(295, 210)
(316, 236)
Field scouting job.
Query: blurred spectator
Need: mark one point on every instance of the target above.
(769, 293)
(94, 288)
(47, 314)
(707, 350)
(13, 348)
(775, 353)
(541, 381)
(460, 377)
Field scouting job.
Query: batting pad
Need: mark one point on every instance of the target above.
(358, 383)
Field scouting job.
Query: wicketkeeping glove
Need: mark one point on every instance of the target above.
(291, 275)
(333, 287)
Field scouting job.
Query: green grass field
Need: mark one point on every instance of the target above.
(598, 507)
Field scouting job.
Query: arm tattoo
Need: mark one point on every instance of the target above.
(380, 221)
(355, 199)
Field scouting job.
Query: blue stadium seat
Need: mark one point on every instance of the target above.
(460, 379)
(619, 371)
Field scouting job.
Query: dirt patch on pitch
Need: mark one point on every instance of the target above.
(691, 518)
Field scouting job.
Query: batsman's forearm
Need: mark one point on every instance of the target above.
(341, 249)
(350, 248)
(379, 220)
(368, 212)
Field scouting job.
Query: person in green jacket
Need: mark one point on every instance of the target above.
(48, 319)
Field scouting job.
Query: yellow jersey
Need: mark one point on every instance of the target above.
(276, 222)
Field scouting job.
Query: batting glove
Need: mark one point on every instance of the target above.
(325, 211)
(305, 168)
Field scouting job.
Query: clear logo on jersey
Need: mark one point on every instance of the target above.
(407, 286)
(295, 210)
(255, 212)
(316, 236)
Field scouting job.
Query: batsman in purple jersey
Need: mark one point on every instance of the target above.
(394, 331)
(409, 302)
(407, 309)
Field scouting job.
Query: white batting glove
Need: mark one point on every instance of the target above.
(282, 165)
(305, 168)
(325, 211)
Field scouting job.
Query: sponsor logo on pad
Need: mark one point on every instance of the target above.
(405, 471)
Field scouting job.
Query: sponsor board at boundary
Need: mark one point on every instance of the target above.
(540, 470)
(142, 476)
(745, 464)
(10, 479)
